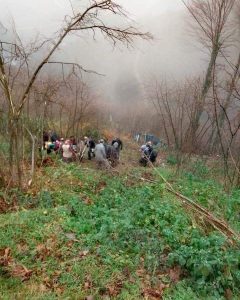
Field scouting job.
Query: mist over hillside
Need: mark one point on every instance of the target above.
(171, 55)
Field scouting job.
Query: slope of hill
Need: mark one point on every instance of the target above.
(79, 233)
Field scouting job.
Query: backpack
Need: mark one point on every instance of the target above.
(153, 156)
(91, 144)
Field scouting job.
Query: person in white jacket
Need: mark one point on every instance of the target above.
(67, 152)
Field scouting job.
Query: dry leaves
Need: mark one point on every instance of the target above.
(175, 274)
(22, 247)
(42, 252)
(228, 294)
(100, 187)
(90, 297)
(154, 292)
(71, 236)
(83, 253)
(113, 288)
(88, 284)
(52, 283)
(47, 249)
(12, 267)
(87, 200)
(4, 206)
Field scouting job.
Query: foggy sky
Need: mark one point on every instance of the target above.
(172, 54)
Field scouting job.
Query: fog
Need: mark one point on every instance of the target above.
(172, 54)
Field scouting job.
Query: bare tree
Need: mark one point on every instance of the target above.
(90, 19)
(174, 103)
(211, 18)
(227, 121)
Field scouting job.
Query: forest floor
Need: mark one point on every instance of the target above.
(81, 233)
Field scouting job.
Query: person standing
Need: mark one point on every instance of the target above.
(100, 155)
(67, 152)
(118, 145)
(73, 143)
(89, 142)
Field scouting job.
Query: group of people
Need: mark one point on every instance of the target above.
(105, 154)
(52, 142)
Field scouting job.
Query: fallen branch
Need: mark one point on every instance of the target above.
(218, 224)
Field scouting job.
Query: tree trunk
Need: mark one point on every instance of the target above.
(15, 149)
(195, 123)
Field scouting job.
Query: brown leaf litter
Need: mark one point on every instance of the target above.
(11, 267)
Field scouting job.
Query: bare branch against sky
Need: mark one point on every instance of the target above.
(171, 54)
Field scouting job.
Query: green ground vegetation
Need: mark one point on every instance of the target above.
(88, 234)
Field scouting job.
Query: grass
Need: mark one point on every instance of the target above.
(112, 236)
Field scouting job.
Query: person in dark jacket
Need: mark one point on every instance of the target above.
(148, 154)
(54, 137)
(119, 142)
(89, 142)
(118, 145)
(112, 154)
(73, 143)
(45, 138)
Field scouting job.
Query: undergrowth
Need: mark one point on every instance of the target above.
(86, 233)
